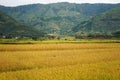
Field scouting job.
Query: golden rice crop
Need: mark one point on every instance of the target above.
(34, 47)
(60, 62)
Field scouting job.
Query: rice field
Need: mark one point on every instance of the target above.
(83, 61)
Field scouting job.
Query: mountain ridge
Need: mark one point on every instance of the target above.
(105, 23)
(56, 18)
(10, 28)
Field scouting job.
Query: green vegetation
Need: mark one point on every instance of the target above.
(58, 18)
(30, 41)
(10, 28)
(106, 24)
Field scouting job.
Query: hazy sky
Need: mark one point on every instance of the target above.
(23, 2)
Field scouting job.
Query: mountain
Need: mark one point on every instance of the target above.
(56, 18)
(104, 23)
(9, 28)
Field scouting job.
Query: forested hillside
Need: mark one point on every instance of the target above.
(10, 28)
(57, 18)
(106, 23)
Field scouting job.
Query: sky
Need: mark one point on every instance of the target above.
(24, 2)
